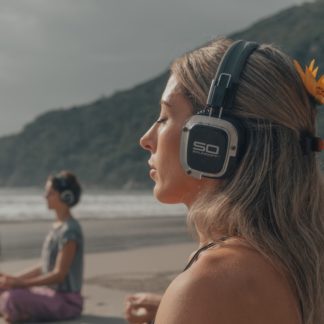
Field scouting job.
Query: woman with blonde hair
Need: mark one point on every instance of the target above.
(245, 165)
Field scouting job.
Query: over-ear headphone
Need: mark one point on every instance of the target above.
(61, 185)
(213, 141)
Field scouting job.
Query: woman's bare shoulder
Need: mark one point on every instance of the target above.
(229, 284)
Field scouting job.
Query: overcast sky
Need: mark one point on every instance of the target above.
(60, 53)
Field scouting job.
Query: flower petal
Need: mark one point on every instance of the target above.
(310, 83)
(315, 72)
(311, 66)
(299, 70)
(320, 81)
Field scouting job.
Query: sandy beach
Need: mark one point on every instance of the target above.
(122, 256)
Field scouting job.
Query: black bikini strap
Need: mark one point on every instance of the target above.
(203, 248)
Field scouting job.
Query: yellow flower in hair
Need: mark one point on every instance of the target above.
(314, 87)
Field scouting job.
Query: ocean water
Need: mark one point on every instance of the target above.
(23, 204)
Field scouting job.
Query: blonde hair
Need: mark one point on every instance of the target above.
(275, 198)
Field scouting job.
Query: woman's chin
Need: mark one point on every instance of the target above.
(165, 196)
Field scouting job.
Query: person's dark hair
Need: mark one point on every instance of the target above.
(67, 181)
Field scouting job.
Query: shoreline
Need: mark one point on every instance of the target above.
(23, 240)
(89, 218)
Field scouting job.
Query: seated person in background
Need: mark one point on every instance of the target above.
(52, 289)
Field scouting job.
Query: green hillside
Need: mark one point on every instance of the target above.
(99, 140)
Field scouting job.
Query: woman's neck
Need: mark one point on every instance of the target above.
(62, 215)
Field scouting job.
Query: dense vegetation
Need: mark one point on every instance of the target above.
(99, 140)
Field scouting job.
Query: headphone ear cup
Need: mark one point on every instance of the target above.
(211, 147)
(67, 197)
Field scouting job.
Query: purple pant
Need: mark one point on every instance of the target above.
(39, 304)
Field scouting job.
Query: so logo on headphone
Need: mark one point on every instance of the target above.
(205, 149)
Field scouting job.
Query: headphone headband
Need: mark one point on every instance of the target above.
(223, 88)
(59, 183)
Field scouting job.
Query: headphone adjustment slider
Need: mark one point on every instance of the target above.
(221, 84)
(228, 76)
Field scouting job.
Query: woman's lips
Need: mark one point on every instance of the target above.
(153, 170)
(152, 173)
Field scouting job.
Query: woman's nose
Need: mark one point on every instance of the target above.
(147, 141)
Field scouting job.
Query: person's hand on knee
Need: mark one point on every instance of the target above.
(141, 307)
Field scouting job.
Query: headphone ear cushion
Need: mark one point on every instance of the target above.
(242, 133)
(67, 196)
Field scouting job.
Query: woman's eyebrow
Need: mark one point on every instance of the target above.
(166, 103)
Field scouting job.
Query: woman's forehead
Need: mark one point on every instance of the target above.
(170, 89)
